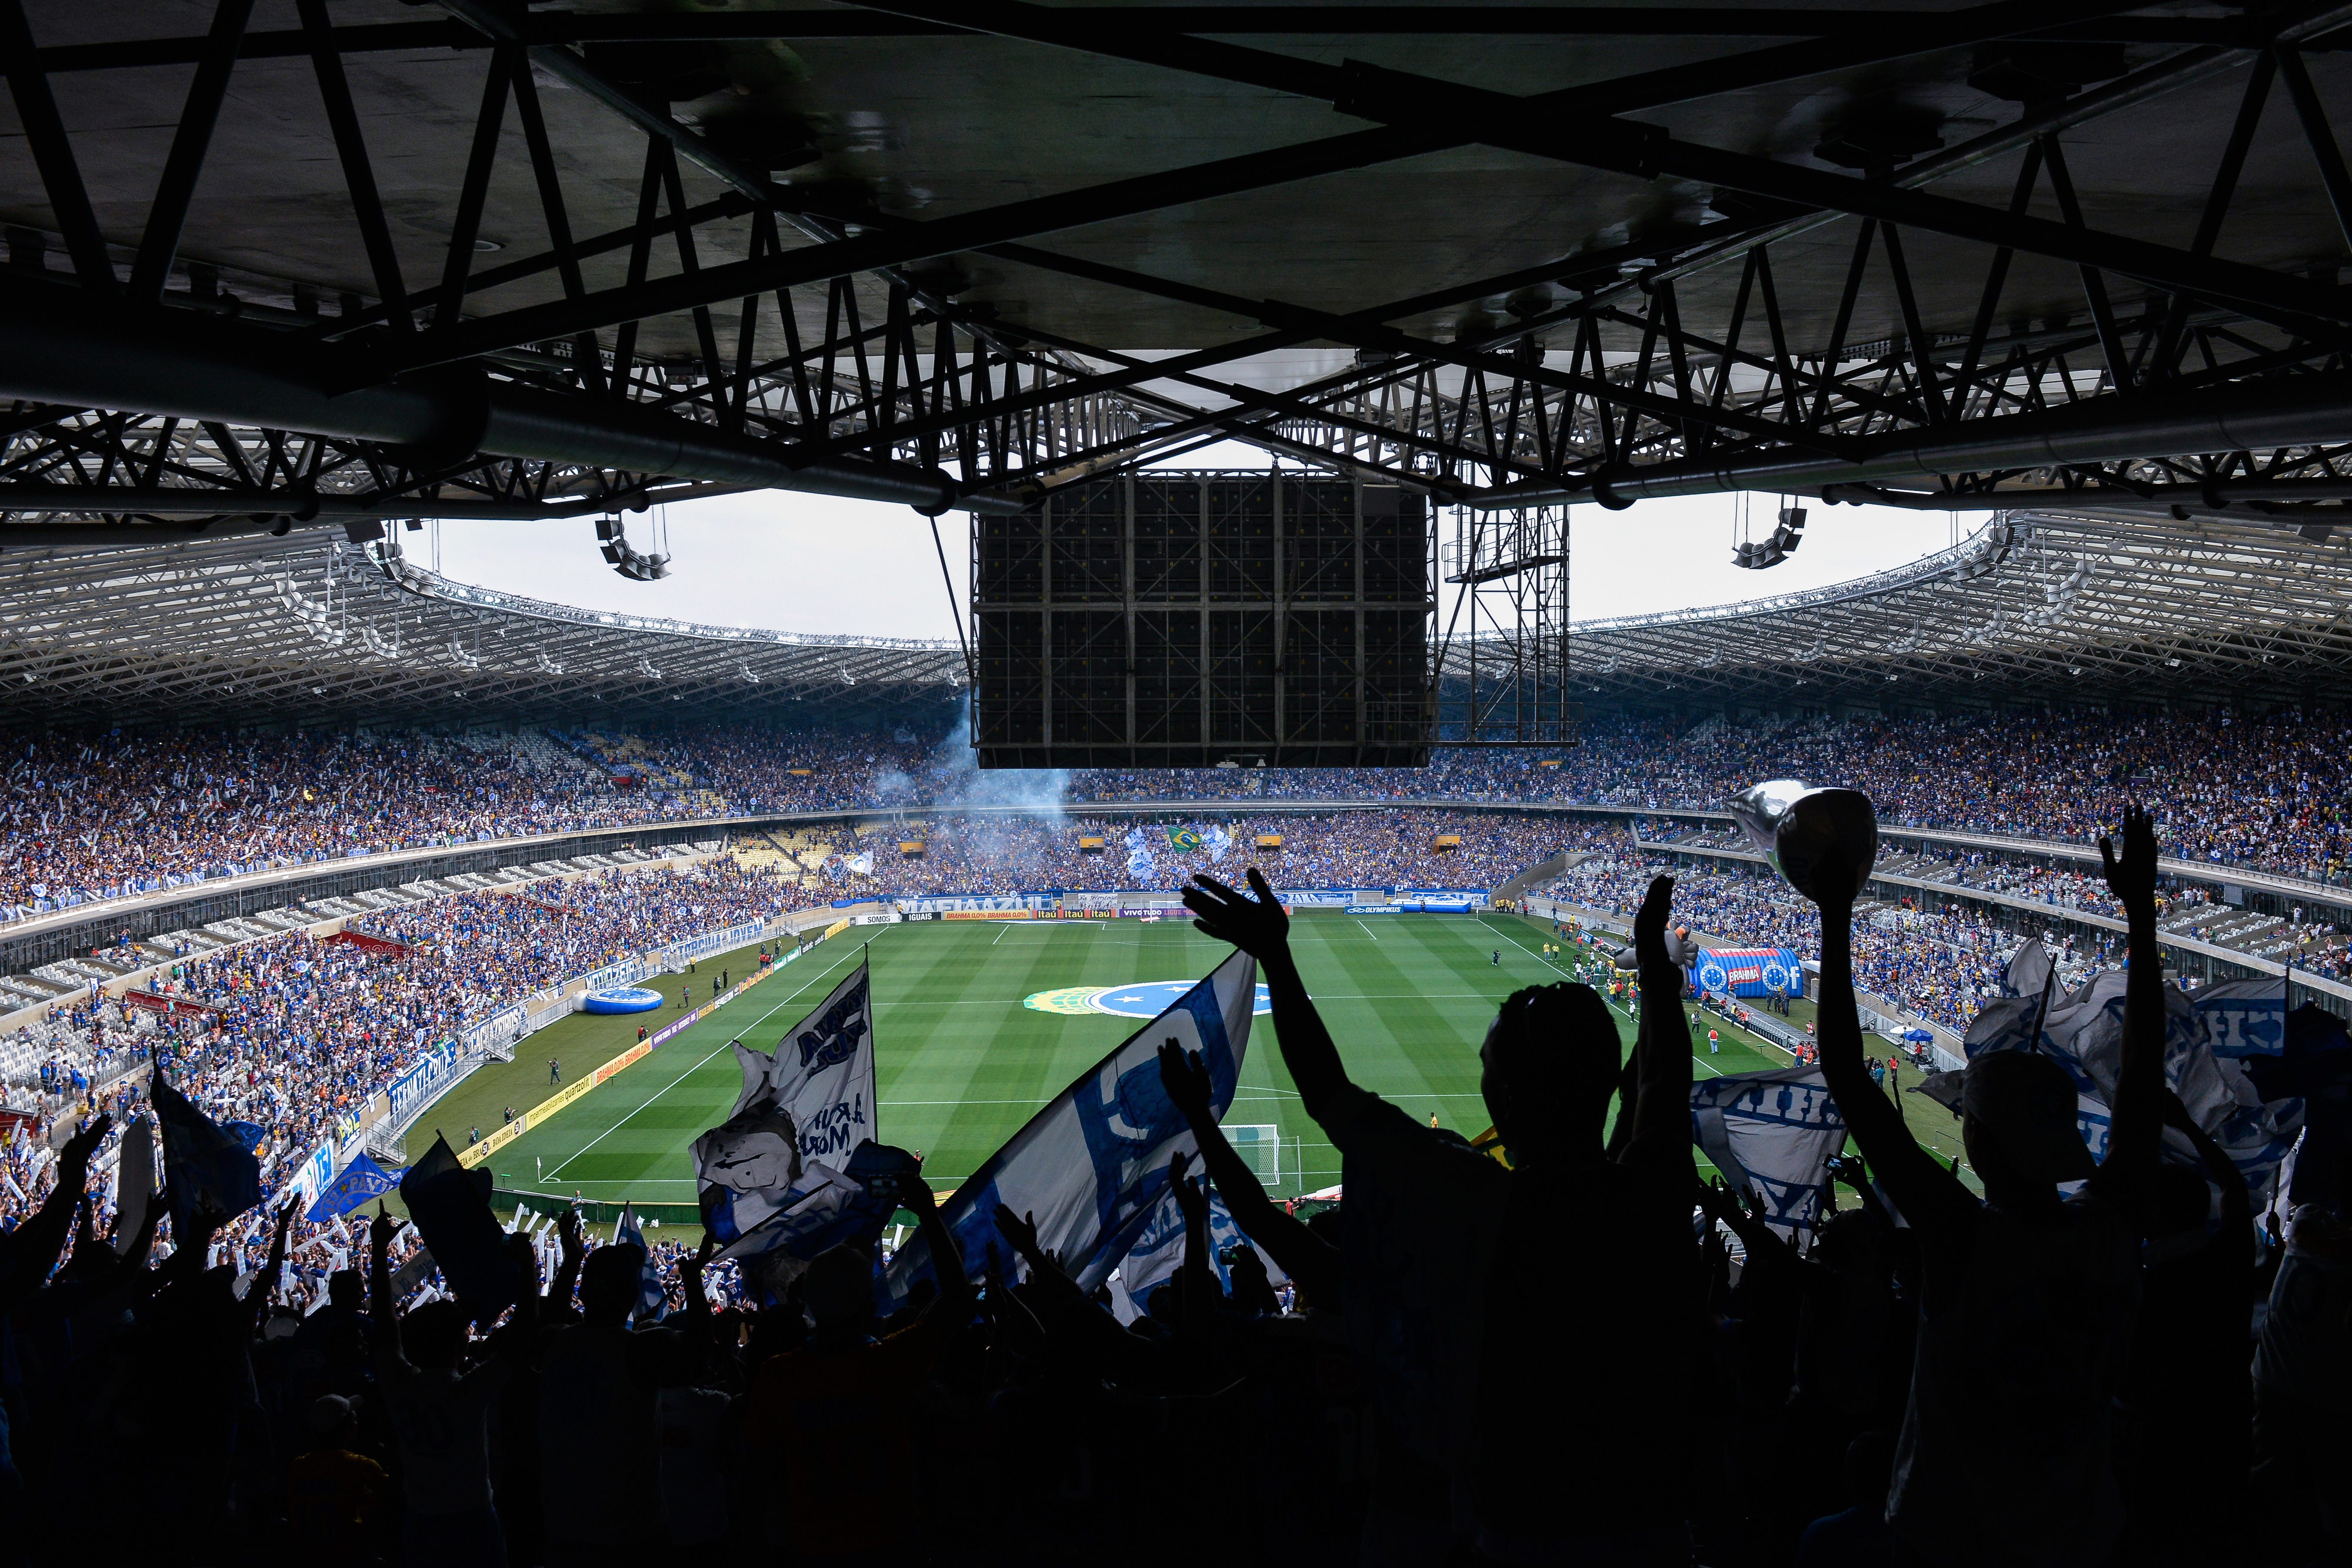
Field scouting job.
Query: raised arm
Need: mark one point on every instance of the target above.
(1262, 929)
(265, 1289)
(29, 1253)
(1929, 1195)
(384, 1312)
(947, 1263)
(2137, 1127)
(1303, 1256)
(1662, 1107)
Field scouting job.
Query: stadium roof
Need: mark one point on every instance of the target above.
(2031, 607)
(318, 633)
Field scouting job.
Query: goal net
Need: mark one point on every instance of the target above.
(1260, 1148)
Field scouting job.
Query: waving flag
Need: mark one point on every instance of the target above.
(863, 863)
(1140, 864)
(1773, 1134)
(1183, 840)
(1158, 1251)
(652, 1295)
(362, 1179)
(1092, 1167)
(801, 1116)
(1220, 842)
(204, 1167)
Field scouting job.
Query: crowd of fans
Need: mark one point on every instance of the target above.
(292, 1034)
(1939, 964)
(1397, 848)
(2090, 1362)
(104, 816)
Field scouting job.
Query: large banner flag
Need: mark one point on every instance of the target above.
(205, 1167)
(1140, 863)
(1092, 1167)
(451, 1207)
(1773, 1134)
(1219, 842)
(362, 1179)
(1183, 840)
(2226, 1051)
(1158, 1252)
(802, 1114)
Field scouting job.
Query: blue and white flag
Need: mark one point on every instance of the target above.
(362, 1179)
(2217, 1046)
(1220, 843)
(652, 1295)
(1140, 863)
(1773, 1134)
(1092, 1166)
(1158, 1252)
(801, 1115)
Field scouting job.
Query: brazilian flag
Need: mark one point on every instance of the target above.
(1183, 839)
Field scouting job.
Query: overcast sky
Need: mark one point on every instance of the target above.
(812, 563)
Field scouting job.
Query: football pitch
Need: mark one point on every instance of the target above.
(964, 1059)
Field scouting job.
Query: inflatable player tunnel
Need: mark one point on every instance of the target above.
(1747, 972)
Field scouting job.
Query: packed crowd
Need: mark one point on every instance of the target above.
(2069, 1368)
(291, 1034)
(104, 816)
(1941, 965)
(1398, 849)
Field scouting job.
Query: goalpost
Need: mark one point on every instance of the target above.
(1260, 1147)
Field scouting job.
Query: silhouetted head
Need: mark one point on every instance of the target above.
(839, 1287)
(1551, 1061)
(347, 1289)
(608, 1282)
(2018, 1120)
(434, 1336)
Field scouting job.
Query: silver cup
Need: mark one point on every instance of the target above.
(1795, 826)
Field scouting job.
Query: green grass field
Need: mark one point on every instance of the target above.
(963, 1063)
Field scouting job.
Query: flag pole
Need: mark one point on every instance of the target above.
(2041, 1009)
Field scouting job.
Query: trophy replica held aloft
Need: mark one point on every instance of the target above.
(1795, 826)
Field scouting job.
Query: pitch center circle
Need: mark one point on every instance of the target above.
(1143, 999)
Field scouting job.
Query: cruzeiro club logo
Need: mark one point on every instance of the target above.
(833, 1038)
(1144, 999)
(1711, 977)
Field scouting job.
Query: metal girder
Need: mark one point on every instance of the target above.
(1630, 373)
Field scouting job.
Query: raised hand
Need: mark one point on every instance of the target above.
(83, 1144)
(1261, 928)
(382, 1229)
(1190, 1198)
(567, 1231)
(1650, 927)
(2131, 876)
(1186, 1078)
(1020, 1230)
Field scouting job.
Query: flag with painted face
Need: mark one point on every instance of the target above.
(1773, 1134)
(801, 1113)
(1091, 1168)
